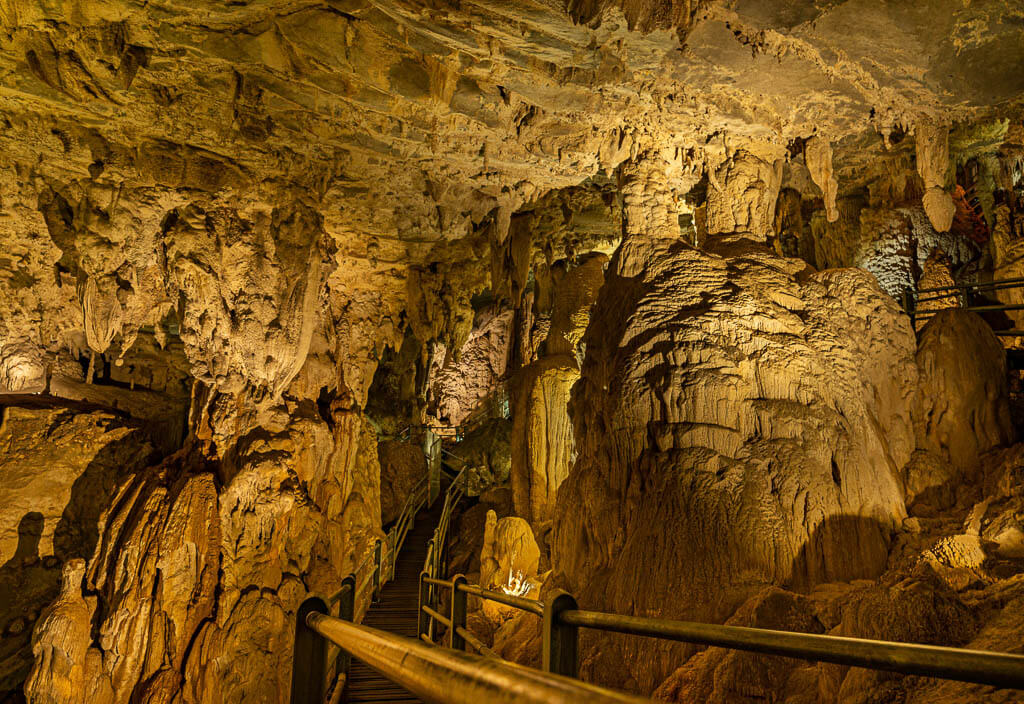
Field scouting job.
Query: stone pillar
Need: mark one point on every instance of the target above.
(651, 185)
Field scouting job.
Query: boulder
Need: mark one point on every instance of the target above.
(509, 552)
(962, 408)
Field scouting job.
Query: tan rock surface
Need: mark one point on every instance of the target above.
(542, 436)
(962, 409)
(402, 466)
(270, 195)
(706, 429)
(59, 469)
(509, 551)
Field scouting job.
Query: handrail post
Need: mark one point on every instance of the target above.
(423, 618)
(309, 656)
(376, 570)
(436, 567)
(559, 644)
(346, 612)
(458, 615)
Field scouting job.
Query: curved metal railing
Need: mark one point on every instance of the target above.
(451, 677)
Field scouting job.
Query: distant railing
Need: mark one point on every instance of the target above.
(561, 621)
(437, 547)
(385, 553)
(962, 294)
(311, 672)
(495, 405)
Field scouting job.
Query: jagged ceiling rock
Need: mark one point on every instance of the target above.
(404, 123)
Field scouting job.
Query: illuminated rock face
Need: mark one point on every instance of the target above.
(216, 219)
(60, 471)
(962, 409)
(741, 414)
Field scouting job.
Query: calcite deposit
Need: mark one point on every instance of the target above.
(642, 260)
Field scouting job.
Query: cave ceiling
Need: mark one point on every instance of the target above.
(385, 134)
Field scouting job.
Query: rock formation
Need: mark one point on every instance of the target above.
(705, 428)
(962, 410)
(60, 469)
(402, 466)
(245, 244)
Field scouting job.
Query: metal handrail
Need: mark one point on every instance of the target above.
(451, 677)
(978, 666)
(385, 558)
(994, 283)
(961, 294)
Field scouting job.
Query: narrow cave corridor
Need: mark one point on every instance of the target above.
(533, 351)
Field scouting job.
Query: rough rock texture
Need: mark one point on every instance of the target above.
(509, 551)
(542, 436)
(269, 195)
(467, 534)
(935, 274)
(542, 439)
(485, 454)
(459, 382)
(59, 469)
(738, 412)
(962, 409)
(720, 676)
(935, 590)
(932, 142)
(742, 193)
(402, 466)
(818, 156)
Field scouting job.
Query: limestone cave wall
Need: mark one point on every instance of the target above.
(246, 245)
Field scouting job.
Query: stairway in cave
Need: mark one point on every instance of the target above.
(396, 612)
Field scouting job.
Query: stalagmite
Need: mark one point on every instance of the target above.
(742, 193)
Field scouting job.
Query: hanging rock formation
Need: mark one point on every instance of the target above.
(818, 155)
(218, 219)
(932, 142)
(741, 195)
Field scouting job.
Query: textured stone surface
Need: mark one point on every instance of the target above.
(59, 468)
(402, 466)
(542, 436)
(229, 213)
(509, 551)
(962, 409)
(739, 413)
(458, 383)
